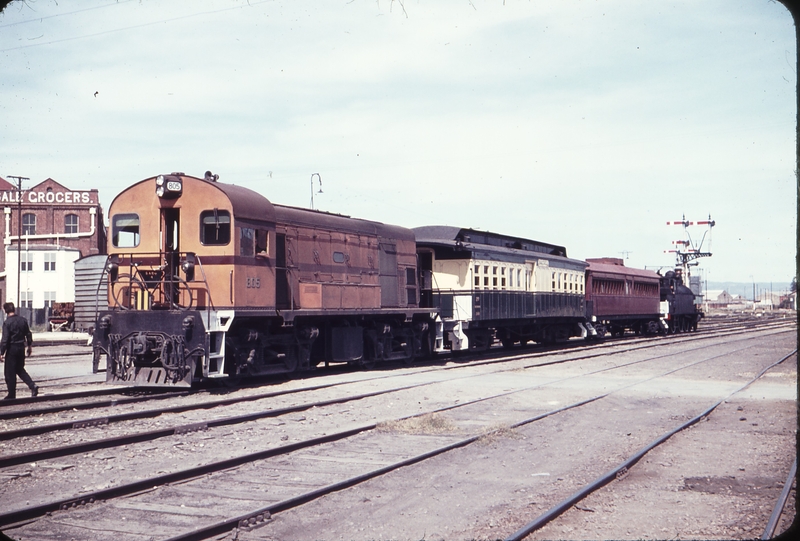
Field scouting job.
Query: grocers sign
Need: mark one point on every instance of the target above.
(36, 197)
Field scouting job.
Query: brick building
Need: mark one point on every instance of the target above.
(58, 226)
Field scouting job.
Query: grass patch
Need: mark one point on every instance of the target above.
(430, 423)
(498, 432)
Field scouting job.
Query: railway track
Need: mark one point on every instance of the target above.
(448, 442)
(203, 403)
(76, 400)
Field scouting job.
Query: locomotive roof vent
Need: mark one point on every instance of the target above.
(169, 186)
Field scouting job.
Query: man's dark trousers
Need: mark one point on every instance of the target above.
(15, 365)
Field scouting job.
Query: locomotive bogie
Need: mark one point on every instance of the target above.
(152, 349)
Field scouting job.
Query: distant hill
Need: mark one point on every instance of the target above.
(745, 289)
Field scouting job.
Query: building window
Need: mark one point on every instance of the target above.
(26, 299)
(26, 261)
(125, 230)
(49, 262)
(71, 223)
(215, 227)
(49, 298)
(28, 224)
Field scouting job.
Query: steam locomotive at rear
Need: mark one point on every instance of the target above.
(211, 280)
(679, 303)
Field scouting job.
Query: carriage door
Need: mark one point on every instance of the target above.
(282, 300)
(170, 234)
(425, 271)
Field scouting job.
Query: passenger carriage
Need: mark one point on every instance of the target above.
(620, 298)
(490, 287)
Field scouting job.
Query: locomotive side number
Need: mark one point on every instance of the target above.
(254, 283)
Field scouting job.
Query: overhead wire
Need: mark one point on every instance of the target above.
(142, 25)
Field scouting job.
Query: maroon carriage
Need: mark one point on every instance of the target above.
(619, 298)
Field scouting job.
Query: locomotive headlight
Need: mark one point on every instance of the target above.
(187, 265)
(105, 322)
(168, 186)
(113, 268)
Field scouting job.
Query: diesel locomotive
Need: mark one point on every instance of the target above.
(211, 280)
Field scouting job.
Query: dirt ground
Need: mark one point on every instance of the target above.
(718, 479)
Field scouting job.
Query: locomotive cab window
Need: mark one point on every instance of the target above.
(247, 245)
(215, 227)
(262, 243)
(125, 230)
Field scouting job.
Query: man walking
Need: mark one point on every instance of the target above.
(17, 338)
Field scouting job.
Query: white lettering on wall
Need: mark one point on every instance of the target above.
(46, 198)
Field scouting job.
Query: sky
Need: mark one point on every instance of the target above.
(587, 124)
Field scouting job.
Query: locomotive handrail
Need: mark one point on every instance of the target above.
(205, 282)
(150, 272)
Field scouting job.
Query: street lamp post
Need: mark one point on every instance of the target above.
(319, 178)
(19, 233)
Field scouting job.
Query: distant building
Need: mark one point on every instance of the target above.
(718, 298)
(58, 226)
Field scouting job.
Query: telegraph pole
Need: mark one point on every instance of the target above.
(19, 234)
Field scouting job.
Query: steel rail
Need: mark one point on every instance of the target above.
(56, 452)
(622, 468)
(772, 523)
(20, 516)
(256, 517)
(70, 396)
(80, 406)
(144, 414)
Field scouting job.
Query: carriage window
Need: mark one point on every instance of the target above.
(215, 227)
(247, 242)
(125, 230)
